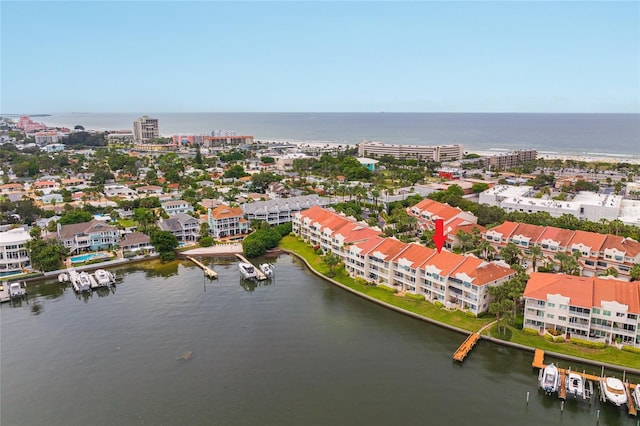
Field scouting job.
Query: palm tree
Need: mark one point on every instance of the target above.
(331, 260)
(485, 250)
(511, 254)
(536, 253)
(464, 240)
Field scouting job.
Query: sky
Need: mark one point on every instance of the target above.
(305, 56)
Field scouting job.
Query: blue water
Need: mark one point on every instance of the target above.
(85, 257)
(591, 134)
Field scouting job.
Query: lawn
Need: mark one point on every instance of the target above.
(609, 355)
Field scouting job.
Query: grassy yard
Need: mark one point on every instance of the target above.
(609, 355)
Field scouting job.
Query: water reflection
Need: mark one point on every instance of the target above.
(251, 285)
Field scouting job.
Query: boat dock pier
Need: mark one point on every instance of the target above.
(538, 362)
(260, 276)
(208, 272)
(466, 346)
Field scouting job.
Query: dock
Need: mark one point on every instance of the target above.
(466, 347)
(208, 272)
(630, 401)
(538, 362)
(260, 276)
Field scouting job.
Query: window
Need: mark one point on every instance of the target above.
(606, 313)
(551, 305)
(560, 318)
(596, 310)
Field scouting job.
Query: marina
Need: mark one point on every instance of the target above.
(565, 382)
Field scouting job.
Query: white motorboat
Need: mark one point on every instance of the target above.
(63, 277)
(82, 283)
(636, 395)
(247, 270)
(614, 391)
(575, 385)
(550, 379)
(16, 291)
(103, 278)
(267, 269)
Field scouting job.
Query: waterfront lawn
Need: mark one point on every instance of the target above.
(609, 355)
(426, 309)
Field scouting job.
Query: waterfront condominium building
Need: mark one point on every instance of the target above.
(457, 281)
(596, 253)
(13, 252)
(145, 129)
(592, 308)
(437, 153)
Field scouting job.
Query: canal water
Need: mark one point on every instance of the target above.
(298, 351)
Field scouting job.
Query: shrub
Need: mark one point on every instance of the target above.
(205, 241)
(414, 296)
(588, 343)
(387, 288)
(361, 281)
(438, 304)
(530, 331)
(631, 349)
(469, 314)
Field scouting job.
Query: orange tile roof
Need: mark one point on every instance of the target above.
(367, 245)
(506, 229)
(445, 261)
(482, 272)
(224, 212)
(416, 254)
(390, 248)
(585, 292)
(630, 247)
(559, 235)
(44, 183)
(589, 239)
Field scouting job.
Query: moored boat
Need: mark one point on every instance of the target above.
(550, 379)
(614, 391)
(636, 395)
(575, 385)
(267, 269)
(16, 290)
(247, 270)
(103, 277)
(82, 282)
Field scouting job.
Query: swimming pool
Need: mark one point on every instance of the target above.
(86, 257)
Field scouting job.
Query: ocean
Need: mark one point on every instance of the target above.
(616, 135)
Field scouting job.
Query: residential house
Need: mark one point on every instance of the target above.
(14, 257)
(88, 236)
(225, 221)
(186, 228)
(137, 242)
(175, 207)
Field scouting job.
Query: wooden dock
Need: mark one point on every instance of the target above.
(538, 362)
(208, 272)
(630, 401)
(260, 276)
(466, 347)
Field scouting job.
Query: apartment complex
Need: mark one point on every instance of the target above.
(186, 228)
(281, 210)
(175, 207)
(457, 281)
(585, 205)
(13, 251)
(508, 160)
(225, 221)
(145, 129)
(589, 308)
(418, 152)
(595, 252)
(454, 219)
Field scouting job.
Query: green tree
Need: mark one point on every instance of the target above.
(46, 255)
(635, 272)
(511, 254)
(75, 216)
(331, 260)
(165, 243)
(536, 254)
(479, 187)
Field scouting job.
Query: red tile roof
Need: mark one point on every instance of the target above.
(589, 239)
(585, 292)
(416, 254)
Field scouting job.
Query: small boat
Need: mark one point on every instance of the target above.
(267, 269)
(575, 385)
(636, 395)
(63, 277)
(614, 391)
(550, 379)
(16, 291)
(103, 278)
(247, 270)
(83, 283)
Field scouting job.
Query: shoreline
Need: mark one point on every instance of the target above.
(490, 339)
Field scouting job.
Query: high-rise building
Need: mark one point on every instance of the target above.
(145, 129)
